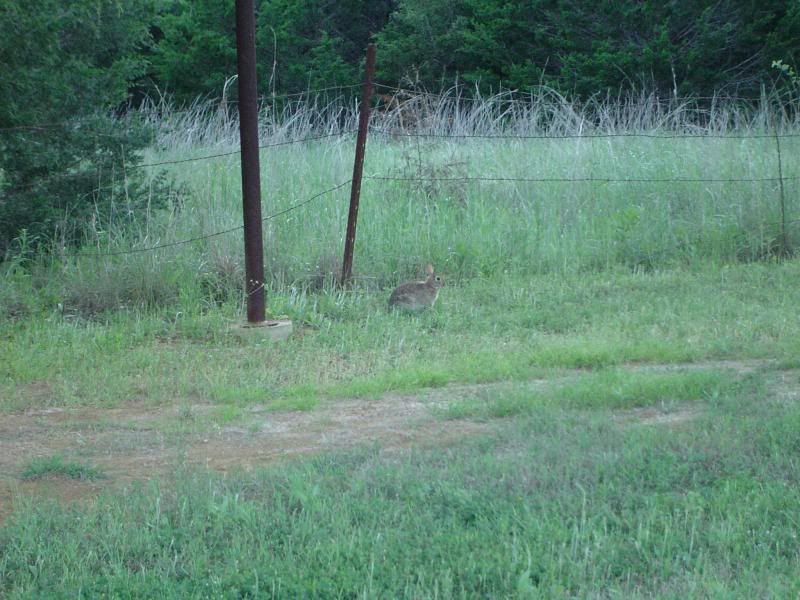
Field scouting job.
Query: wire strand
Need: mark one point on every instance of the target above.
(206, 236)
(448, 94)
(584, 179)
(61, 176)
(731, 136)
(232, 152)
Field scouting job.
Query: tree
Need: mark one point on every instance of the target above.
(425, 40)
(299, 45)
(588, 46)
(66, 65)
(315, 44)
(195, 50)
(688, 48)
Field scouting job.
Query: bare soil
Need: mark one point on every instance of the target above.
(142, 442)
(137, 443)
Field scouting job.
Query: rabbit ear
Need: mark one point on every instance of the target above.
(429, 269)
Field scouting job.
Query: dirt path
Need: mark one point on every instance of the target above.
(138, 442)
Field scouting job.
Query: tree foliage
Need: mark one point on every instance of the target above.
(300, 45)
(585, 47)
(315, 44)
(195, 53)
(580, 47)
(66, 65)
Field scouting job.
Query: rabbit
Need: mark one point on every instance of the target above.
(417, 295)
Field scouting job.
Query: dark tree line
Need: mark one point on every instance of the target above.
(69, 64)
(578, 47)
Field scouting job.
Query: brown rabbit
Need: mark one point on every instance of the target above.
(417, 295)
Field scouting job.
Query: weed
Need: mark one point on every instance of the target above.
(56, 465)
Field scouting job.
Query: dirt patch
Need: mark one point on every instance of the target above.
(786, 387)
(393, 422)
(140, 442)
(653, 416)
(37, 393)
(62, 489)
(741, 367)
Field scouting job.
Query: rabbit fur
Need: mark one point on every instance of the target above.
(417, 295)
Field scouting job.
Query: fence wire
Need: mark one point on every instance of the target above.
(399, 178)
(579, 136)
(458, 92)
(390, 133)
(208, 235)
(232, 152)
(62, 176)
(586, 179)
(455, 94)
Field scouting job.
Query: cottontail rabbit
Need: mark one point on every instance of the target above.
(417, 295)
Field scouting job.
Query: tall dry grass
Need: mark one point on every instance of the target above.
(478, 185)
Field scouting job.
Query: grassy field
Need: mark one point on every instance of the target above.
(571, 496)
(602, 404)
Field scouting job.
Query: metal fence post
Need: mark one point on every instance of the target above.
(251, 180)
(785, 246)
(358, 165)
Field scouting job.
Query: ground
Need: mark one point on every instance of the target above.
(138, 442)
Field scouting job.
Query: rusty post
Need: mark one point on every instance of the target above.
(785, 247)
(358, 165)
(251, 180)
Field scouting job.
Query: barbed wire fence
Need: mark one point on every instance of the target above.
(411, 131)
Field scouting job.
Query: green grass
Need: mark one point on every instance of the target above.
(560, 502)
(539, 275)
(469, 229)
(605, 389)
(568, 297)
(508, 328)
(56, 465)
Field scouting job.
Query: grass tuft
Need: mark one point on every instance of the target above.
(57, 466)
(611, 389)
